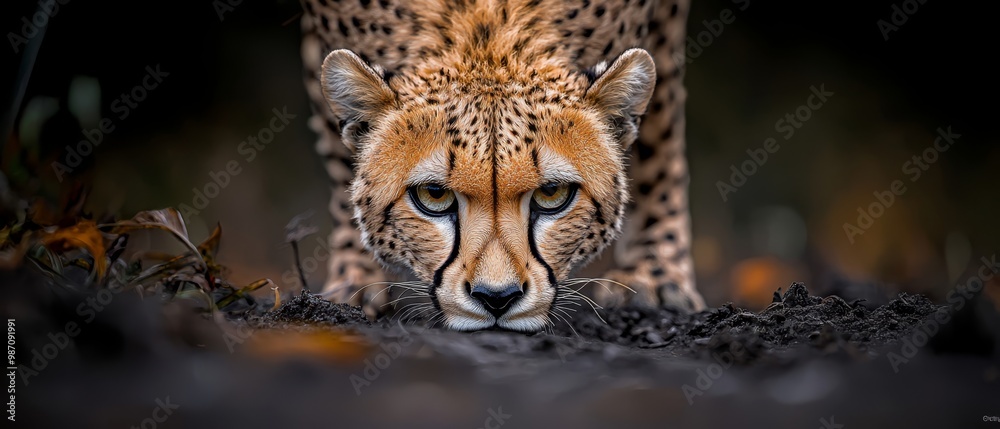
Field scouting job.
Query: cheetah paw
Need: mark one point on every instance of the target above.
(646, 291)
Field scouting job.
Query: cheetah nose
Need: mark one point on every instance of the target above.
(497, 300)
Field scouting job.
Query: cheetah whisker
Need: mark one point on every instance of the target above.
(402, 285)
(586, 298)
(439, 318)
(565, 319)
(413, 308)
(351, 298)
(570, 300)
(561, 306)
(593, 305)
(599, 281)
(397, 300)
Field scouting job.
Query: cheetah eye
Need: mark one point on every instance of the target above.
(433, 199)
(553, 197)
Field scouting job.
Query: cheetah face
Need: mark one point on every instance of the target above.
(490, 190)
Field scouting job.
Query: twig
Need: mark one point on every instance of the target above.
(298, 266)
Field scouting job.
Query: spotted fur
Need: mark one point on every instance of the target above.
(494, 99)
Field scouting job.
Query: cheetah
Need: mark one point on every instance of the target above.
(490, 148)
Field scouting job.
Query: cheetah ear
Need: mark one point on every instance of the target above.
(624, 89)
(356, 92)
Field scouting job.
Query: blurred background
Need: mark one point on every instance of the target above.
(180, 86)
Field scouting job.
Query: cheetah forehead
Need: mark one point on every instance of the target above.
(495, 149)
(514, 176)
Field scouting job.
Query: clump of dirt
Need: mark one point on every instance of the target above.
(311, 309)
(792, 319)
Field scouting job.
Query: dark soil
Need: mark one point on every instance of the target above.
(794, 319)
(805, 361)
(309, 309)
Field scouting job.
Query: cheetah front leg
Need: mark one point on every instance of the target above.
(655, 280)
(353, 276)
(653, 257)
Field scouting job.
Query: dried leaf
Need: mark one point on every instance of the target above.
(177, 281)
(80, 262)
(119, 272)
(117, 247)
(209, 248)
(84, 235)
(167, 268)
(196, 294)
(229, 299)
(55, 264)
(50, 272)
(166, 219)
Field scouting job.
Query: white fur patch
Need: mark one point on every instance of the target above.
(556, 168)
(600, 68)
(462, 323)
(432, 169)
